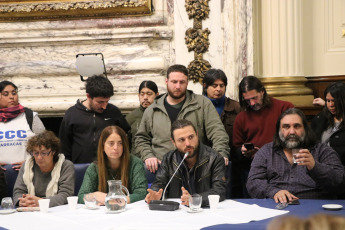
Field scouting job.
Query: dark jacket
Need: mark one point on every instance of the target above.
(336, 141)
(80, 131)
(231, 109)
(209, 172)
(134, 119)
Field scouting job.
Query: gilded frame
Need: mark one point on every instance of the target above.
(31, 10)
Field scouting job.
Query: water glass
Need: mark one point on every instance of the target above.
(195, 202)
(7, 203)
(90, 201)
(294, 156)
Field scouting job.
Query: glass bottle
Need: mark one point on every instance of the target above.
(116, 200)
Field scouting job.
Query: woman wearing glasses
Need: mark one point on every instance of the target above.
(44, 175)
(17, 125)
(114, 163)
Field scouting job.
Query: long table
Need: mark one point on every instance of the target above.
(231, 214)
(305, 209)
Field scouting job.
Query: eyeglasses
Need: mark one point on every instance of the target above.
(43, 154)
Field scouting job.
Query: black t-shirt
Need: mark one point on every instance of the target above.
(173, 110)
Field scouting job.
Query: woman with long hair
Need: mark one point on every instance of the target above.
(114, 162)
(329, 125)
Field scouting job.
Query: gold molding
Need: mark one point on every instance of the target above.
(19, 10)
(197, 39)
(286, 86)
(290, 89)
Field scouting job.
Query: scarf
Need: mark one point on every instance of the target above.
(218, 104)
(7, 114)
(52, 186)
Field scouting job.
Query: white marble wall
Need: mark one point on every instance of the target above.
(40, 57)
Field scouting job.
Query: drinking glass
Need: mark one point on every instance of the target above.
(195, 202)
(7, 203)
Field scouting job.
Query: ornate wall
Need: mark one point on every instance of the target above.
(39, 56)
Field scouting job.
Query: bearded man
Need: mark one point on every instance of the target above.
(152, 141)
(201, 172)
(315, 173)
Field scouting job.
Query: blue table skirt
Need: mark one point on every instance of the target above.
(305, 209)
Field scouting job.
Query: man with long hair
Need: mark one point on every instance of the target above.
(254, 125)
(314, 172)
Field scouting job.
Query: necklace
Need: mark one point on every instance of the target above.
(112, 175)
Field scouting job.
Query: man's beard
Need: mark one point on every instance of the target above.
(171, 94)
(195, 150)
(292, 141)
(93, 108)
(256, 107)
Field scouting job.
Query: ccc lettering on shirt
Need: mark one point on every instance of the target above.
(12, 134)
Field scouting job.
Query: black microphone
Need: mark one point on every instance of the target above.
(184, 157)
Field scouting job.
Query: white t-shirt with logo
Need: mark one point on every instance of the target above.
(13, 138)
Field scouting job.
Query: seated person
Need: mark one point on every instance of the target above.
(17, 125)
(45, 175)
(202, 172)
(2, 184)
(318, 173)
(114, 162)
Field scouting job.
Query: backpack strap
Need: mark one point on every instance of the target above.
(29, 116)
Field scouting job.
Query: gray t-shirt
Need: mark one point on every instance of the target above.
(329, 132)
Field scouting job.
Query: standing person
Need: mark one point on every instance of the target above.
(329, 125)
(314, 172)
(152, 140)
(254, 125)
(148, 91)
(214, 87)
(82, 124)
(114, 163)
(45, 175)
(17, 125)
(201, 172)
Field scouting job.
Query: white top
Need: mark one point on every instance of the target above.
(14, 136)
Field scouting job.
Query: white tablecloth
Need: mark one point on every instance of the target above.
(137, 216)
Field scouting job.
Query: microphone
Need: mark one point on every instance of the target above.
(184, 157)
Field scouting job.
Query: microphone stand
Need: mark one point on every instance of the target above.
(184, 157)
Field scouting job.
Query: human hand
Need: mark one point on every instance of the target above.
(152, 164)
(153, 195)
(2, 164)
(319, 101)
(283, 196)
(226, 161)
(29, 201)
(304, 157)
(100, 197)
(249, 153)
(17, 165)
(185, 196)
